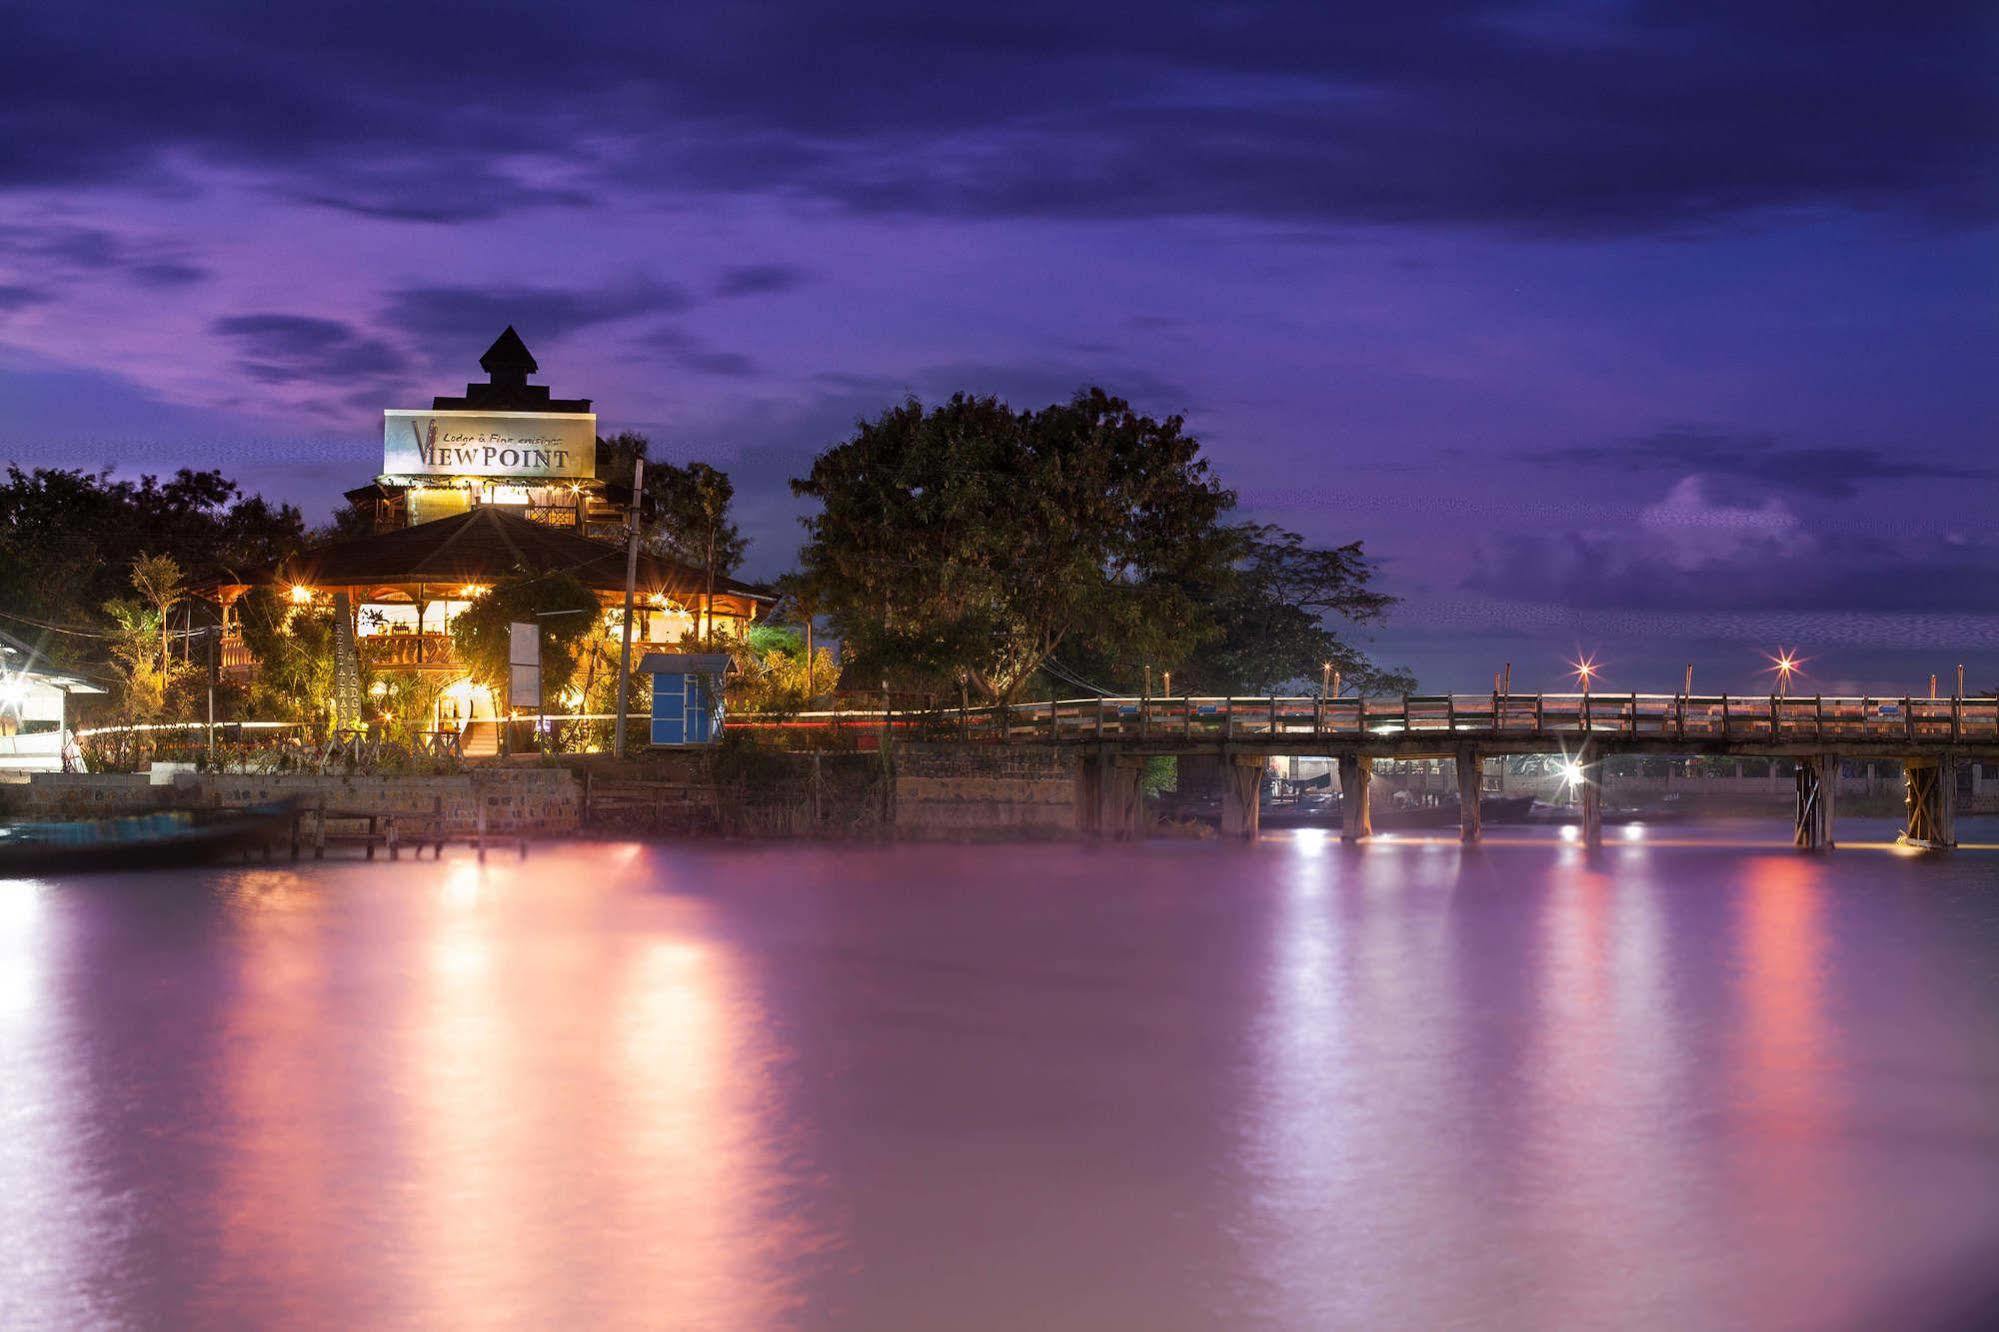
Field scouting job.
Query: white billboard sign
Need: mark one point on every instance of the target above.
(523, 666)
(511, 444)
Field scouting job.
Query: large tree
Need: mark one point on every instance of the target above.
(971, 542)
(68, 538)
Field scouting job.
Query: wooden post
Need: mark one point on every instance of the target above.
(1930, 787)
(1356, 821)
(479, 829)
(395, 846)
(319, 829)
(1471, 786)
(1818, 782)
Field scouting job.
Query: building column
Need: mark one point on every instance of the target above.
(1930, 793)
(1818, 793)
(1356, 822)
(1242, 792)
(1471, 786)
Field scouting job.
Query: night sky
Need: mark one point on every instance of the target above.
(1662, 331)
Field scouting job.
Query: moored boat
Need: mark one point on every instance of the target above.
(139, 841)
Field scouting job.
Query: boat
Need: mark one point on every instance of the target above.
(139, 841)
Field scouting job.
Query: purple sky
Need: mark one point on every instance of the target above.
(1662, 331)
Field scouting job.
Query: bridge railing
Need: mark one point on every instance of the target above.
(1667, 716)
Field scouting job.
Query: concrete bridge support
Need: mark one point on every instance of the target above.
(1818, 789)
(1471, 785)
(1590, 795)
(1242, 796)
(1930, 787)
(1110, 801)
(1356, 820)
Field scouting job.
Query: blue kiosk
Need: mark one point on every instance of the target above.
(687, 693)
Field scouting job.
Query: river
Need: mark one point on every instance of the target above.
(1693, 1080)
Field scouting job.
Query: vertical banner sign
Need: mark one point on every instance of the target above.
(346, 665)
(524, 666)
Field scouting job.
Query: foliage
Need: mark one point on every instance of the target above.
(970, 543)
(138, 658)
(293, 646)
(402, 703)
(566, 611)
(686, 513)
(771, 675)
(68, 539)
(160, 584)
(1268, 603)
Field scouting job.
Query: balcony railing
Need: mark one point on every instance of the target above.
(426, 651)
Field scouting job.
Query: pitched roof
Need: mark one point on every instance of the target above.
(508, 355)
(486, 545)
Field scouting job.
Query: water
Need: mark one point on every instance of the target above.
(1697, 1085)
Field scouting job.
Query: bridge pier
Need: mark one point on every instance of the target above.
(1818, 788)
(1110, 803)
(1591, 795)
(1930, 790)
(1242, 796)
(1356, 820)
(1471, 786)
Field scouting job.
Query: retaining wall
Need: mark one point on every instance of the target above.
(945, 791)
(535, 801)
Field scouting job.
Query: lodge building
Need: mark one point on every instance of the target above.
(500, 482)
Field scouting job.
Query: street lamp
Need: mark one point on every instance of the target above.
(1585, 670)
(1785, 664)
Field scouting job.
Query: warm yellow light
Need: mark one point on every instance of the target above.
(1585, 669)
(460, 690)
(379, 688)
(659, 599)
(301, 594)
(471, 590)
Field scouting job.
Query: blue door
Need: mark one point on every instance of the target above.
(681, 711)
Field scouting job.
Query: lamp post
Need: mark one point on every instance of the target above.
(631, 584)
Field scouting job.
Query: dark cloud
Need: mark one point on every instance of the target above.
(14, 296)
(1560, 120)
(464, 315)
(90, 250)
(168, 273)
(441, 191)
(1819, 471)
(692, 353)
(759, 279)
(293, 349)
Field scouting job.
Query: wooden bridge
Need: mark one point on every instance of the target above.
(1930, 737)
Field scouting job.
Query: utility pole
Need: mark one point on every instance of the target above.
(631, 584)
(214, 633)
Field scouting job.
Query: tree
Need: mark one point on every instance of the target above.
(566, 611)
(686, 513)
(1269, 605)
(160, 585)
(293, 647)
(776, 672)
(969, 542)
(68, 539)
(135, 637)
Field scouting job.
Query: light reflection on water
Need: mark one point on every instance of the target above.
(1679, 1080)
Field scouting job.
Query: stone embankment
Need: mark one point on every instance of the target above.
(531, 802)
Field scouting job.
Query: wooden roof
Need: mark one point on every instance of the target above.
(485, 546)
